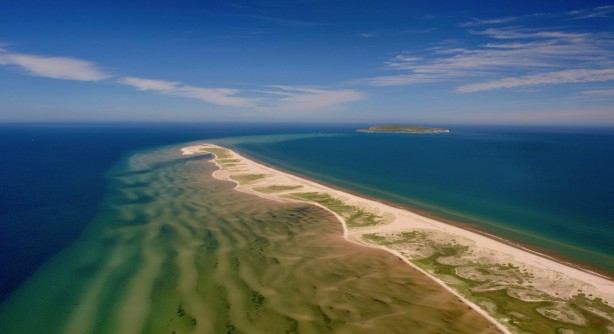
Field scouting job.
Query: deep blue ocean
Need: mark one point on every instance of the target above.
(52, 180)
(552, 189)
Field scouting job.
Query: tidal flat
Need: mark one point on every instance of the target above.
(174, 250)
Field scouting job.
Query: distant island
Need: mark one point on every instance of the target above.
(396, 128)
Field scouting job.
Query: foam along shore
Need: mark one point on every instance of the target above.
(516, 289)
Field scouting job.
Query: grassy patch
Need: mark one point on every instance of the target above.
(276, 188)
(226, 166)
(496, 288)
(227, 161)
(374, 237)
(353, 215)
(247, 178)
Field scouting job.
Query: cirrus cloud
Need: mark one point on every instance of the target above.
(548, 78)
(599, 92)
(292, 98)
(272, 98)
(509, 57)
(64, 68)
(220, 96)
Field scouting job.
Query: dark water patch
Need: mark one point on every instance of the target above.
(52, 179)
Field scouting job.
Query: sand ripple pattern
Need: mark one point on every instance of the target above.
(176, 251)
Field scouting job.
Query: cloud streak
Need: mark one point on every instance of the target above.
(64, 68)
(599, 92)
(219, 96)
(368, 34)
(274, 98)
(300, 99)
(479, 22)
(549, 78)
(601, 11)
(508, 57)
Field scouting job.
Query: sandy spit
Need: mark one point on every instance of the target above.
(404, 220)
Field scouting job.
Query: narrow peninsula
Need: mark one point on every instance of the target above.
(397, 128)
(518, 291)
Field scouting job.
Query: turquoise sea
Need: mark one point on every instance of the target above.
(549, 189)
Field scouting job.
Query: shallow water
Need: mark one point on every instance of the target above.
(174, 250)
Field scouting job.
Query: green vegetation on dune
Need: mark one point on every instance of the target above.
(227, 161)
(503, 290)
(353, 215)
(276, 188)
(227, 166)
(247, 178)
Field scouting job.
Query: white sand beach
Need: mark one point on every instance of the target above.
(482, 260)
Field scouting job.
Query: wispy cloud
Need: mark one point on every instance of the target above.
(511, 57)
(548, 78)
(479, 22)
(269, 98)
(219, 96)
(580, 14)
(538, 34)
(64, 68)
(601, 11)
(368, 34)
(150, 84)
(599, 92)
(300, 99)
(272, 98)
(404, 79)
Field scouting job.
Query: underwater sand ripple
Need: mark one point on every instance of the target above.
(176, 250)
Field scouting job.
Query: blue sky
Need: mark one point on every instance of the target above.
(431, 62)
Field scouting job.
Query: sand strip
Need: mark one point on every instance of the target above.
(551, 276)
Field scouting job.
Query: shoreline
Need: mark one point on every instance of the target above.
(472, 227)
(569, 281)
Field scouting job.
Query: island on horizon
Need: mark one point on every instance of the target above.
(397, 128)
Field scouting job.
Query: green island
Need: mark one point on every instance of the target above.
(397, 128)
